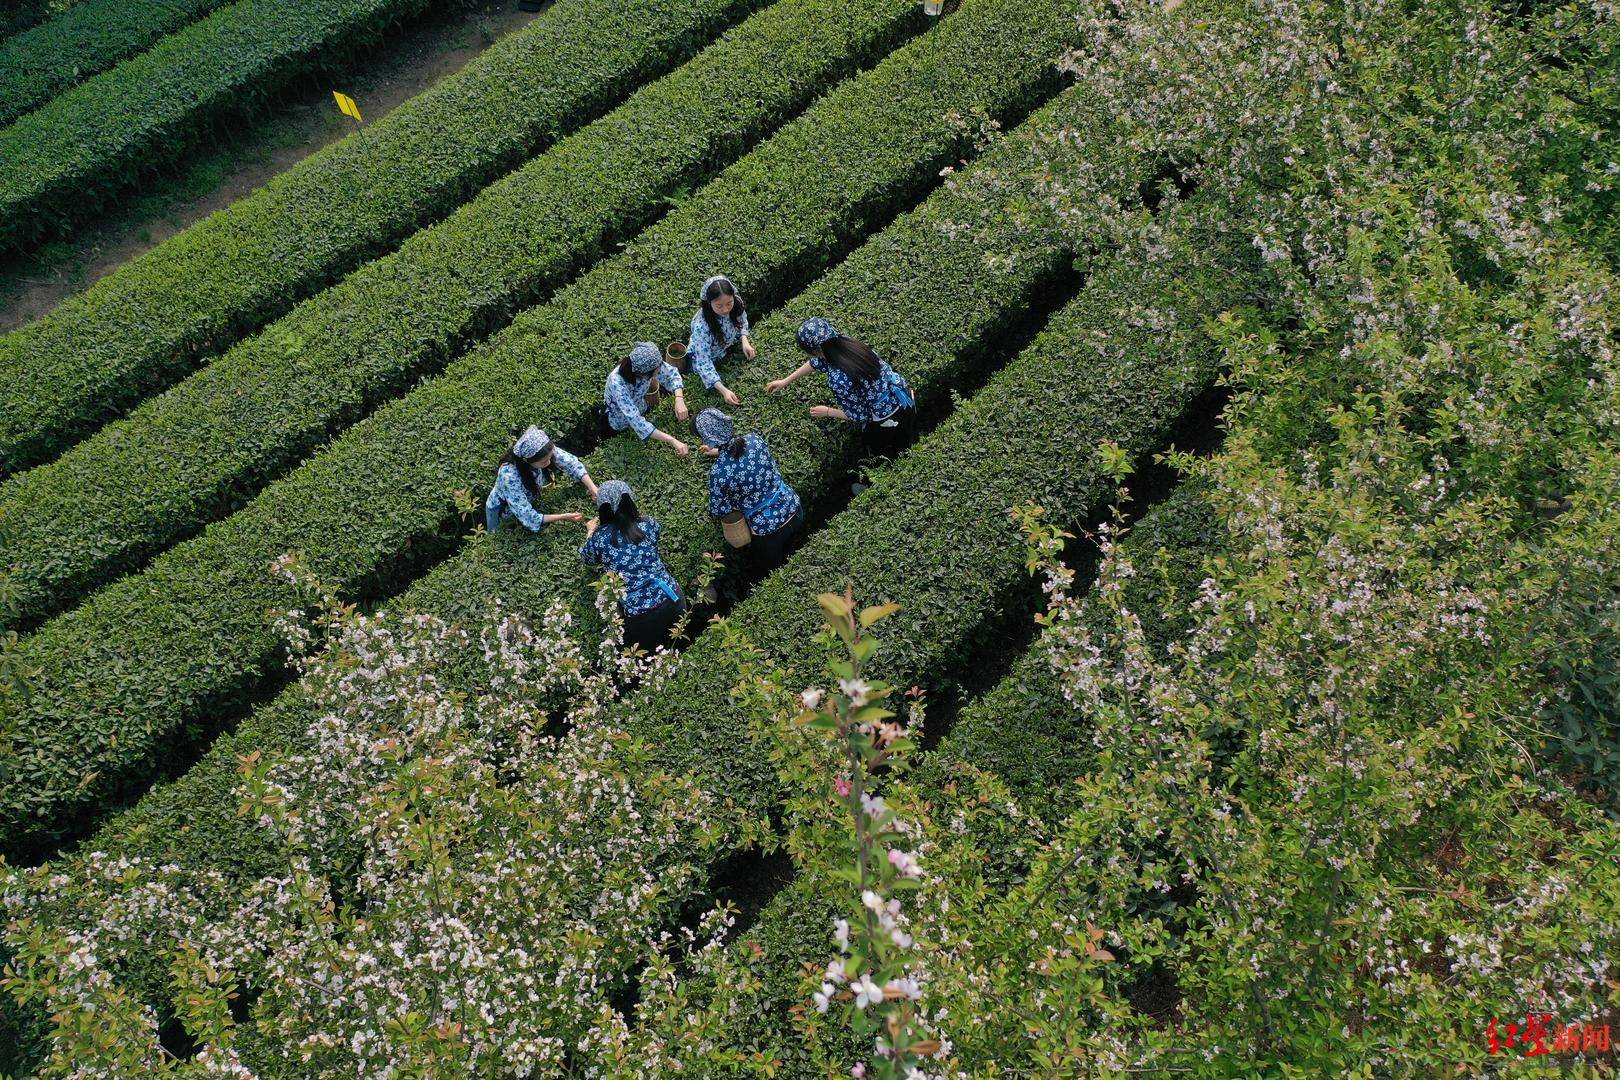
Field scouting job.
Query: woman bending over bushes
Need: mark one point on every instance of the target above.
(745, 478)
(623, 541)
(869, 392)
(633, 389)
(526, 468)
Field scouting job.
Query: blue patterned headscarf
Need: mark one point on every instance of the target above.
(703, 293)
(645, 358)
(715, 428)
(531, 444)
(814, 333)
(609, 494)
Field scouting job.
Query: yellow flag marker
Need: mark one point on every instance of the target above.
(347, 106)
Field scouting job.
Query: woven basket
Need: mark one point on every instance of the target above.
(676, 356)
(735, 527)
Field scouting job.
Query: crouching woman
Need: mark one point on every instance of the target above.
(745, 478)
(620, 539)
(527, 468)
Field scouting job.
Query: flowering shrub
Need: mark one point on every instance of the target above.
(1342, 775)
(1348, 815)
(460, 869)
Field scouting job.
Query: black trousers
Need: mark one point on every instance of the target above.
(888, 441)
(651, 628)
(768, 550)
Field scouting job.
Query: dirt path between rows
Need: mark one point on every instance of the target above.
(213, 177)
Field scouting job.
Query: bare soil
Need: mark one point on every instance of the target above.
(217, 175)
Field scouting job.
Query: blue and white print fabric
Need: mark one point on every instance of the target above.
(530, 443)
(865, 401)
(645, 577)
(645, 358)
(815, 332)
(508, 496)
(569, 465)
(714, 428)
(610, 494)
(752, 482)
(704, 349)
(627, 401)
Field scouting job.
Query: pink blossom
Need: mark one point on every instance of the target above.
(905, 862)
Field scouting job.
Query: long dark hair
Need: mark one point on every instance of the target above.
(854, 358)
(717, 289)
(625, 518)
(533, 475)
(627, 373)
(736, 446)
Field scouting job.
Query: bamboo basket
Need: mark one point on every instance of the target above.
(675, 355)
(735, 527)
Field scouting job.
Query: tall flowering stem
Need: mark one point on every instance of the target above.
(874, 976)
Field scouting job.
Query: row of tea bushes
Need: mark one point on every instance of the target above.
(62, 160)
(40, 63)
(148, 323)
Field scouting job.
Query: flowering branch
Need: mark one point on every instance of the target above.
(875, 972)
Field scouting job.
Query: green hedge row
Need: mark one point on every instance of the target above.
(932, 334)
(62, 161)
(155, 657)
(138, 329)
(40, 63)
(198, 451)
(1052, 742)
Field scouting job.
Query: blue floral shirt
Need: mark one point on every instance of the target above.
(627, 401)
(865, 401)
(741, 483)
(508, 496)
(644, 574)
(704, 349)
